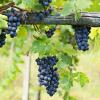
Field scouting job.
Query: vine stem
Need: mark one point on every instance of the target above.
(5, 7)
(87, 18)
(19, 8)
(38, 94)
(35, 37)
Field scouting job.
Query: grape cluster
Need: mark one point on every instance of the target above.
(82, 36)
(2, 37)
(50, 32)
(48, 75)
(13, 21)
(40, 15)
(47, 12)
(45, 2)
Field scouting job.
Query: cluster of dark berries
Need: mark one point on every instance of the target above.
(48, 75)
(42, 14)
(2, 37)
(45, 2)
(82, 36)
(50, 32)
(13, 21)
(47, 12)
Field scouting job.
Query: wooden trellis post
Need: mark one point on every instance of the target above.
(26, 81)
(87, 19)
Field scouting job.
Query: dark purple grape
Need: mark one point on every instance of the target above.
(15, 18)
(50, 32)
(45, 2)
(10, 18)
(49, 1)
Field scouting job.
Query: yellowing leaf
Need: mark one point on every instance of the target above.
(28, 4)
(47, 28)
(3, 17)
(94, 32)
(99, 31)
(59, 4)
(22, 31)
(3, 23)
(58, 31)
(83, 4)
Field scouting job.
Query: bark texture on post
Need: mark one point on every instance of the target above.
(39, 95)
(87, 19)
(26, 81)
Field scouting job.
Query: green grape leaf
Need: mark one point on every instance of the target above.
(68, 7)
(4, 1)
(65, 48)
(83, 4)
(95, 6)
(17, 2)
(81, 78)
(22, 32)
(75, 5)
(3, 17)
(3, 23)
(66, 80)
(28, 4)
(69, 50)
(38, 46)
(64, 60)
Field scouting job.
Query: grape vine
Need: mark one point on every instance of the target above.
(62, 45)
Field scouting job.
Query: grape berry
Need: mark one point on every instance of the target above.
(14, 19)
(82, 36)
(50, 32)
(42, 14)
(45, 3)
(48, 76)
(47, 12)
